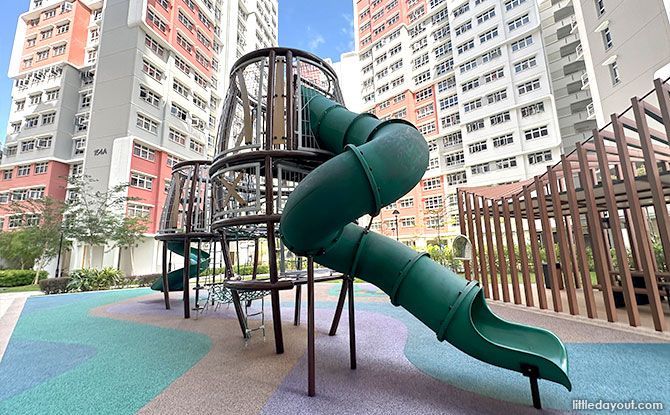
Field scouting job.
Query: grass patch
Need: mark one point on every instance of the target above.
(22, 288)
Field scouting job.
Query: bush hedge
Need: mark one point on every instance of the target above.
(55, 285)
(19, 277)
(244, 270)
(90, 279)
(143, 280)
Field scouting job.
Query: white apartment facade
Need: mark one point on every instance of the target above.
(120, 90)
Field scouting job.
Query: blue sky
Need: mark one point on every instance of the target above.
(321, 27)
(9, 12)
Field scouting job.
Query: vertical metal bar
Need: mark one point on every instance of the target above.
(615, 226)
(516, 292)
(269, 205)
(254, 272)
(501, 250)
(298, 306)
(548, 237)
(471, 235)
(573, 254)
(489, 249)
(352, 323)
(480, 244)
(646, 264)
(290, 104)
(561, 232)
(187, 277)
(534, 248)
(166, 283)
(311, 362)
(339, 307)
(580, 243)
(523, 254)
(460, 196)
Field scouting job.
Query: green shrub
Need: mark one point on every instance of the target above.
(55, 285)
(244, 270)
(144, 280)
(96, 279)
(19, 277)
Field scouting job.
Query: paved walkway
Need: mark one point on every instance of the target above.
(11, 305)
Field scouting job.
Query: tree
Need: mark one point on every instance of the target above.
(37, 241)
(97, 218)
(129, 235)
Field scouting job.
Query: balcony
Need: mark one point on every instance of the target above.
(590, 111)
(579, 50)
(585, 81)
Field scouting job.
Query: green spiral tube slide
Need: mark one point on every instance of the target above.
(176, 277)
(376, 163)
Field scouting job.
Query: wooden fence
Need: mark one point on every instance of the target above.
(600, 215)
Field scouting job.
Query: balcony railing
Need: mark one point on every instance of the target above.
(579, 50)
(591, 111)
(585, 80)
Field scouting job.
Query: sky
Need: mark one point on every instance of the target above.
(9, 13)
(323, 27)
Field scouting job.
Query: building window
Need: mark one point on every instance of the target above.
(467, 86)
(52, 95)
(496, 96)
(141, 181)
(431, 184)
(481, 18)
(433, 163)
(16, 127)
(408, 222)
(539, 157)
(477, 147)
(149, 96)
(522, 43)
(467, 66)
(172, 160)
(472, 105)
(151, 70)
(36, 99)
(454, 159)
(79, 146)
(180, 88)
(185, 44)
(407, 202)
(474, 126)
(27, 146)
(154, 46)
(448, 102)
(4, 198)
(147, 124)
(607, 38)
(452, 139)
(138, 211)
(156, 21)
(196, 146)
(454, 179)
(600, 7)
(518, 22)
(144, 152)
(528, 86)
(535, 133)
(32, 121)
(503, 140)
(464, 47)
(427, 129)
(525, 64)
(23, 170)
(85, 99)
(424, 94)
(10, 151)
(433, 202)
(488, 35)
(94, 34)
(178, 112)
(48, 118)
(31, 42)
(44, 142)
(64, 28)
(42, 55)
(60, 50)
(510, 4)
(177, 137)
(532, 109)
(614, 73)
(36, 193)
(20, 105)
(506, 163)
(463, 8)
(500, 118)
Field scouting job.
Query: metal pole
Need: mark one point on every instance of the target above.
(311, 372)
(60, 247)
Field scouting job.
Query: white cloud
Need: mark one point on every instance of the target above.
(348, 31)
(314, 41)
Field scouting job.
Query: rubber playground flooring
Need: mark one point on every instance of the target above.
(121, 352)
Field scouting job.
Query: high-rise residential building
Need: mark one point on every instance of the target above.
(120, 91)
(626, 45)
(570, 82)
(348, 70)
(472, 76)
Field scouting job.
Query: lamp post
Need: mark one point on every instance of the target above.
(396, 213)
(60, 248)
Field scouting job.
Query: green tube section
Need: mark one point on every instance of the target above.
(378, 162)
(176, 277)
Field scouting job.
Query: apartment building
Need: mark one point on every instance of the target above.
(473, 78)
(626, 45)
(120, 90)
(567, 67)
